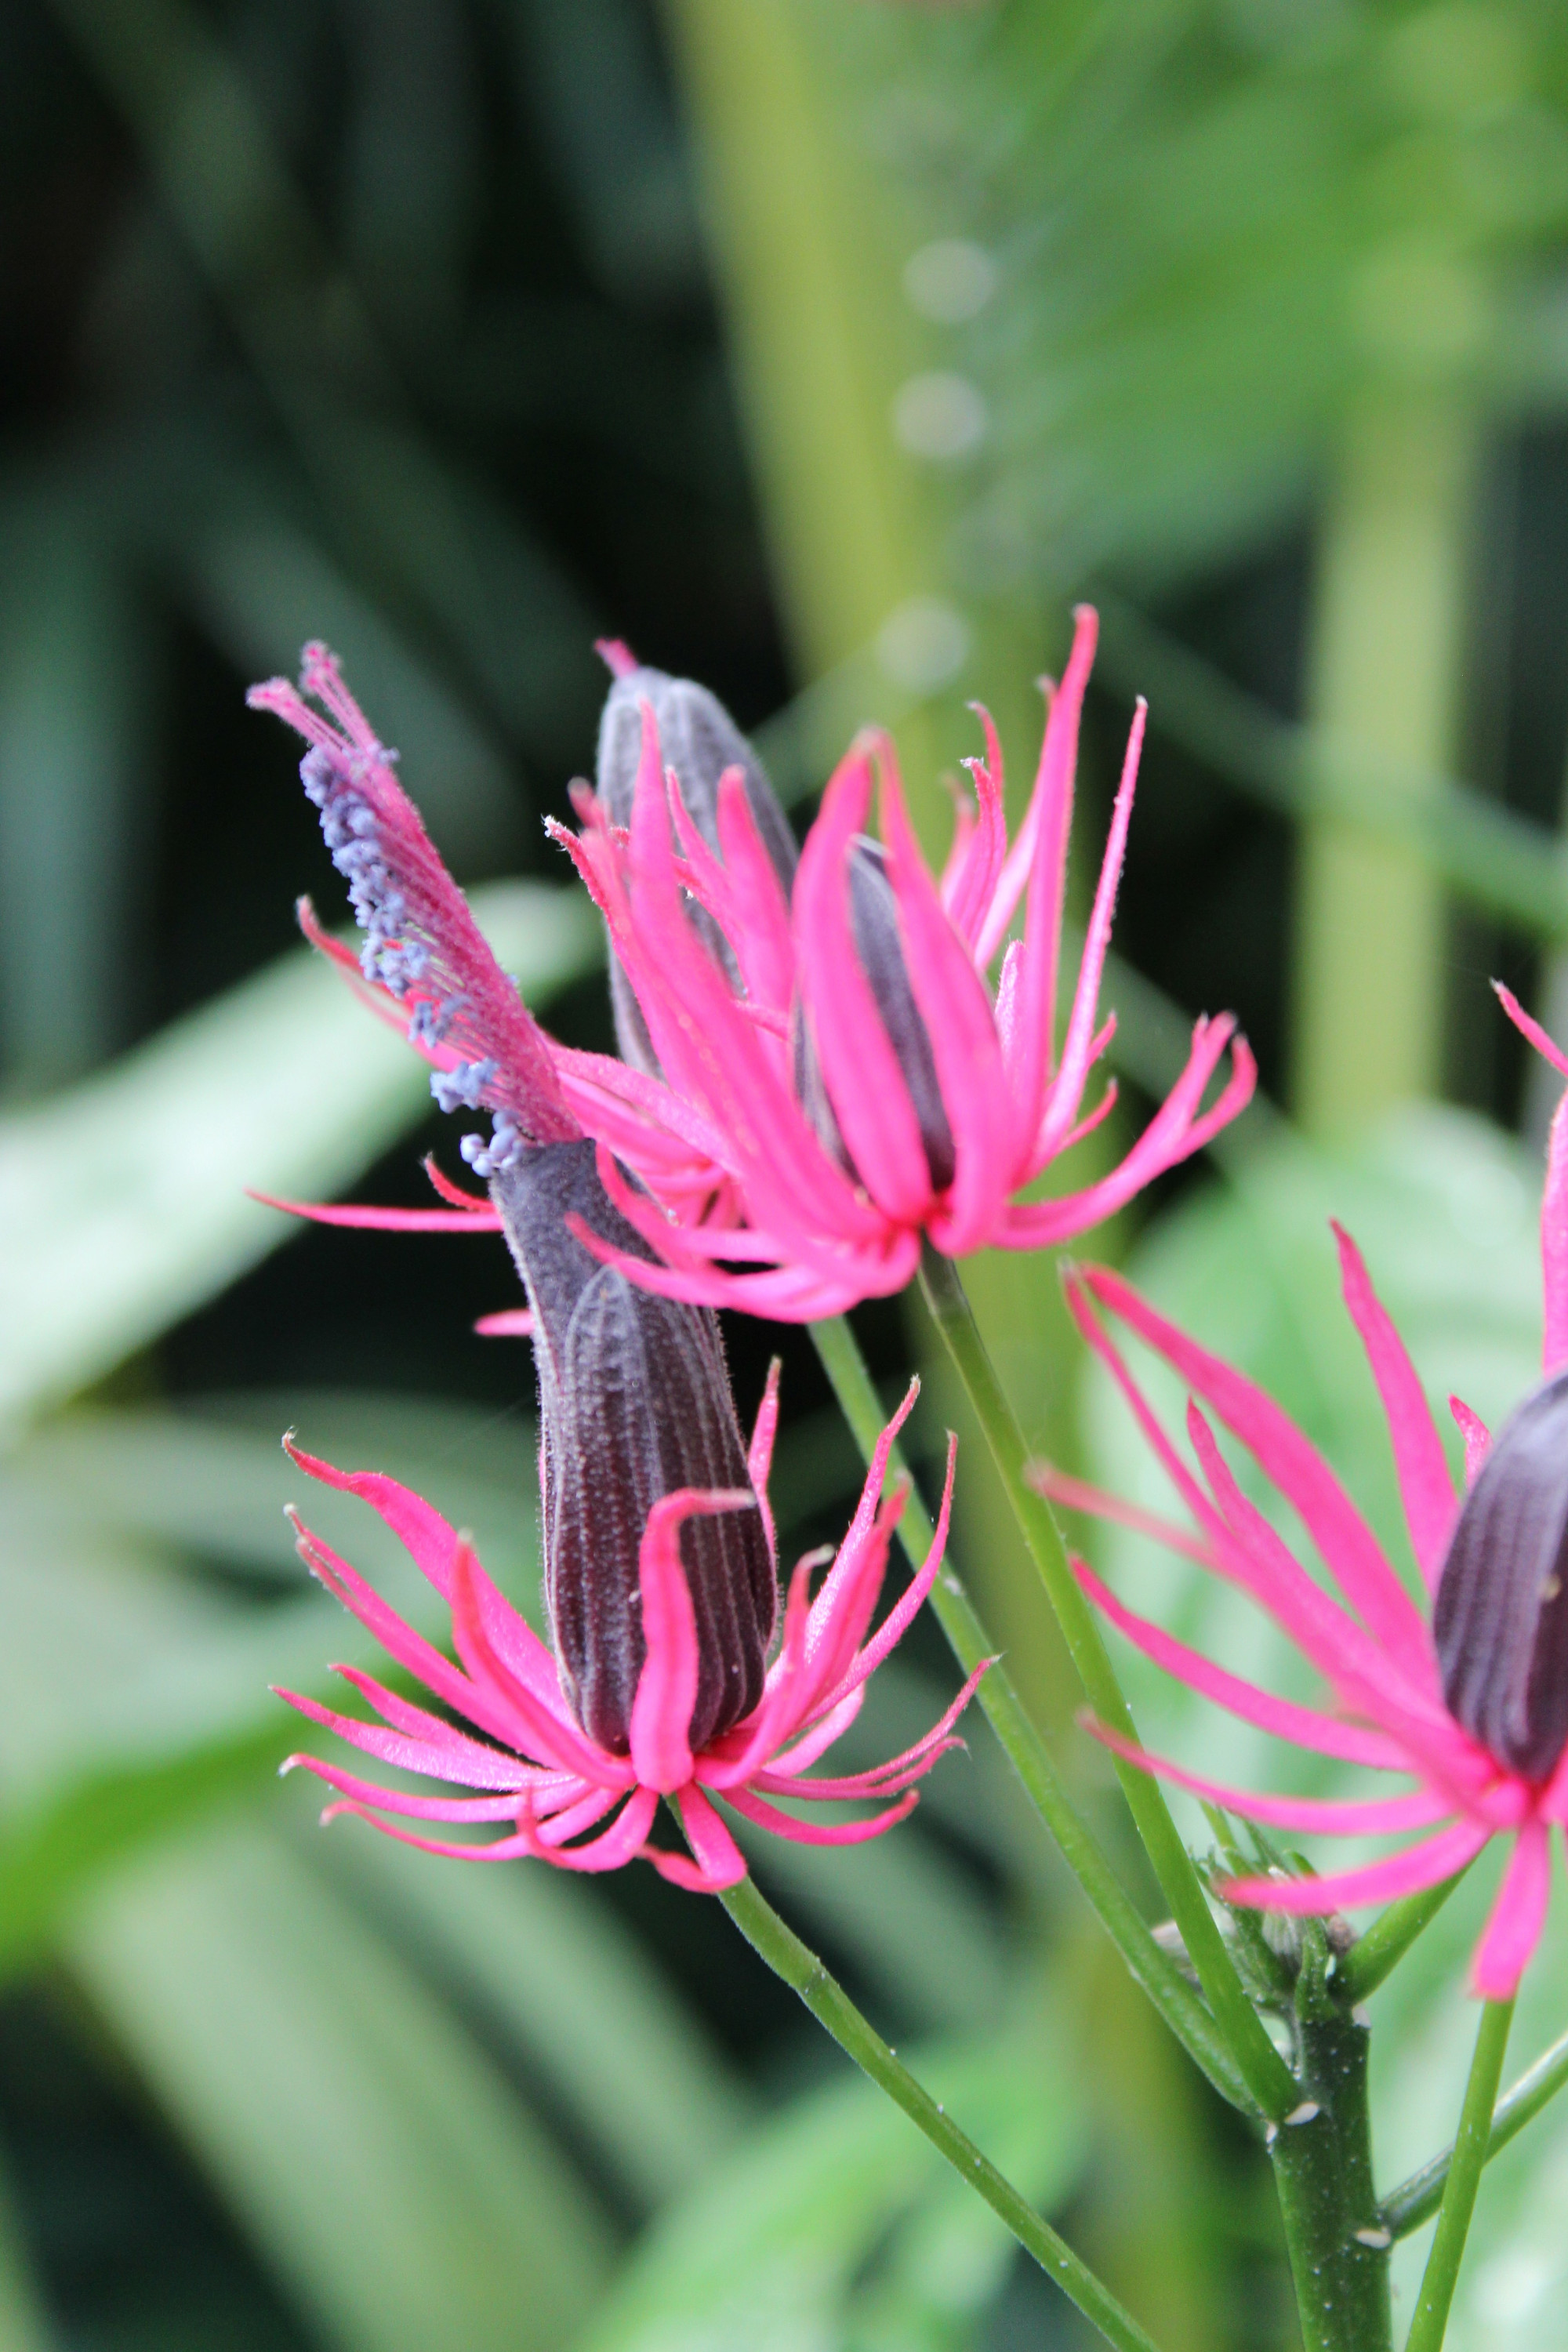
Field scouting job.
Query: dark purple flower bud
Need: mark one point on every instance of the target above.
(699, 740)
(1501, 1615)
(874, 922)
(634, 1403)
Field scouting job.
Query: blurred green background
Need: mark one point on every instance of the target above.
(827, 350)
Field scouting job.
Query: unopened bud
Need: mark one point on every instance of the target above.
(1502, 1616)
(634, 1403)
(874, 925)
(699, 740)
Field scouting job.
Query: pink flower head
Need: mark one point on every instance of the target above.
(1470, 1705)
(511, 1732)
(845, 1065)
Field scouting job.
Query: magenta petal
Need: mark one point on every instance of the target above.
(388, 1220)
(621, 1843)
(555, 1742)
(508, 1323)
(859, 1068)
(447, 1755)
(1477, 1438)
(1078, 1495)
(956, 1009)
(667, 1687)
(1518, 1916)
(1050, 818)
(760, 1453)
(400, 1801)
(1332, 1816)
(1039, 1139)
(401, 1642)
(1424, 1486)
(1348, 1546)
(1304, 1726)
(1425, 1864)
(899, 1619)
(431, 1542)
(785, 1825)
(718, 1858)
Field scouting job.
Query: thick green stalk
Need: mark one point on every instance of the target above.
(802, 1970)
(1172, 1995)
(1336, 2238)
(1415, 2200)
(1267, 2077)
(1389, 1938)
(1387, 633)
(1470, 2151)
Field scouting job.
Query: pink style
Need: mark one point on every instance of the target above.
(811, 1213)
(1403, 1679)
(527, 1756)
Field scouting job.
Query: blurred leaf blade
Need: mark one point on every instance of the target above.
(356, 2129)
(572, 1990)
(768, 2251)
(124, 1201)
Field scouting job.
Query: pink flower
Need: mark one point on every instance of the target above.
(825, 1077)
(1471, 1705)
(862, 1087)
(518, 1742)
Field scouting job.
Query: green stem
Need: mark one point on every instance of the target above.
(1469, 2153)
(1151, 1967)
(1336, 2238)
(1419, 2196)
(1267, 2077)
(1389, 1938)
(802, 1970)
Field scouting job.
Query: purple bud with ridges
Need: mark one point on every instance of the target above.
(700, 742)
(1501, 1619)
(634, 1403)
(874, 925)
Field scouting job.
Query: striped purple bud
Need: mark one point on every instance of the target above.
(634, 1403)
(699, 740)
(1501, 1615)
(874, 924)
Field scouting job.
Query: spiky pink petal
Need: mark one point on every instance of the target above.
(1426, 1488)
(1425, 1864)
(1305, 1727)
(1513, 1930)
(384, 1220)
(1477, 1438)
(1297, 1468)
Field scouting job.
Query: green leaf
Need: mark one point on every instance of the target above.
(836, 2213)
(124, 1201)
(362, 2138)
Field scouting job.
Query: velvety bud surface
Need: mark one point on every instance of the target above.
(699, 740)
(633, 1404)
(1501, 1616)
(874, 924)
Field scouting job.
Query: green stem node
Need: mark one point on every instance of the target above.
(1338, 2240)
